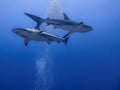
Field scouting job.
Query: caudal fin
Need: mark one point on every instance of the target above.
(66, 38)
(37, 19)
(66, 41)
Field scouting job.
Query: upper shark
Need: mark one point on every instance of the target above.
(65, 24)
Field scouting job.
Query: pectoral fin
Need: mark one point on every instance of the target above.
(26, 41)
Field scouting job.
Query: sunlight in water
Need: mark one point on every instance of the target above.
(55, 11)
(44, 64)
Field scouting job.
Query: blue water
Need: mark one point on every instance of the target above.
(90, 62)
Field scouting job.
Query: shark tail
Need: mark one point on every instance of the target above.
(37, 19)
(65, 39)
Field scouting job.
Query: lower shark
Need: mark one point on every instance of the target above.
(37, 35)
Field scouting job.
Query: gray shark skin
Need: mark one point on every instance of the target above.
(37, 35)
(65, 24)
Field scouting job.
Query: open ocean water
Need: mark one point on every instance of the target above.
(91, 61)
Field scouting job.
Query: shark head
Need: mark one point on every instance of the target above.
(83, 28)
(87, 27)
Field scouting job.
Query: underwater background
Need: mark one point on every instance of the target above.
(91, 61)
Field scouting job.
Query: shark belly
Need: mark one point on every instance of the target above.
(71, 28)
(37, 37)
(50, 38)
(83, 29)
(65, 27)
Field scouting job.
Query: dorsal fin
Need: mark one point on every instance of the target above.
(66, 17)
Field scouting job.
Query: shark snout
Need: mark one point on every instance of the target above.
(16, 30)
(90, 28)
(87, 28)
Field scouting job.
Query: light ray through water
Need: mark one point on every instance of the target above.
(44, 64)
